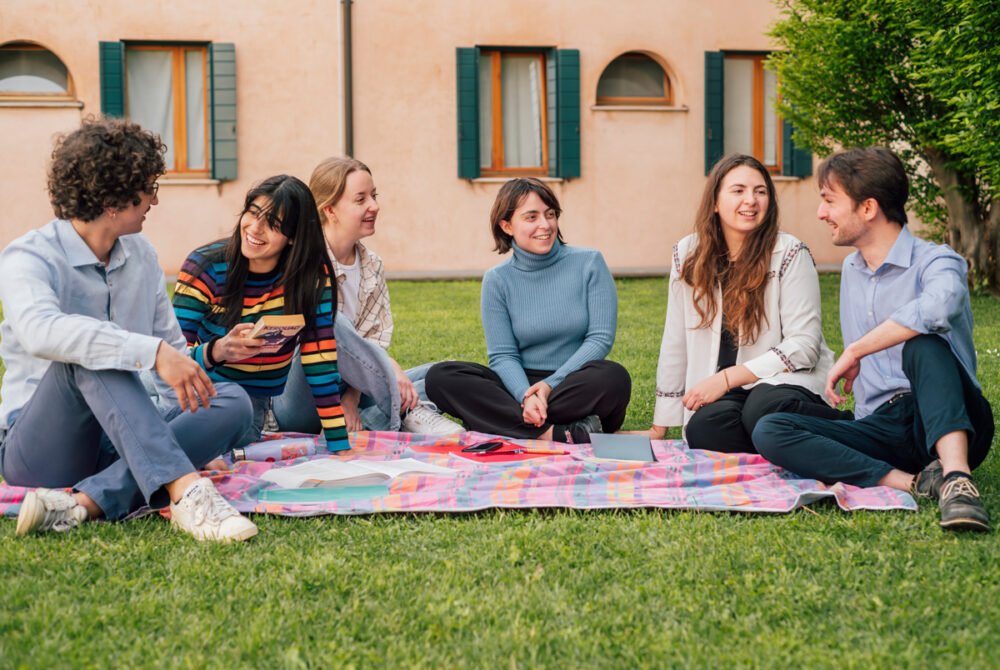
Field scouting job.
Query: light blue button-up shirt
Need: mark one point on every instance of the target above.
(920, 285)
(60, 303)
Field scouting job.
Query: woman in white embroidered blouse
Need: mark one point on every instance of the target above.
(743, 334)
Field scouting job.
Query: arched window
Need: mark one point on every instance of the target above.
(30, 70)
(634, 79)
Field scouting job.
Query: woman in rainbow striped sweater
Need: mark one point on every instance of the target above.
(273, 263)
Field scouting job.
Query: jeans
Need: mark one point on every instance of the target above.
(295, 408)
(99, 432)
(901, 434)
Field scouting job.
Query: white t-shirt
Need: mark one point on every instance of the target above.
(351, 288)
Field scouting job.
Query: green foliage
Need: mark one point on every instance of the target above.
(515, 589)
(919, 77)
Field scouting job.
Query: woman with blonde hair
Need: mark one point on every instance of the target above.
(743, 335)
(375, 388)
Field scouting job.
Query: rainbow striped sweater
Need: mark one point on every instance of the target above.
(197, 302)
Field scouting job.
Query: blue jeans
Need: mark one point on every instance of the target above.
(295, 409)
(900, 434)
(99, 432)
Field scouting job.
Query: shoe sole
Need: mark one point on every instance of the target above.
(239, 537)
(965, 524)
(30, 515)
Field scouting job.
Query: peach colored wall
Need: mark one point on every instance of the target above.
(288, 101)
(642, 172)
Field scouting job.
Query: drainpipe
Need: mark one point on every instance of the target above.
(348, 79)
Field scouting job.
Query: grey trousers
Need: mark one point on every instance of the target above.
(99, 432)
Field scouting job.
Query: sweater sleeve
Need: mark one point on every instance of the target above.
(602, 310)
(193, 297)
(671, 370)
(501, 343)
(319, 362)
(799, 317)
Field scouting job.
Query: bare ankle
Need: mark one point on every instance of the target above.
(85, 501)
(176, 488)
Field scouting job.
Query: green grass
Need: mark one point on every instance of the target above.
(818, 588)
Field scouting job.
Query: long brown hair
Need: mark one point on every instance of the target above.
(707, 266)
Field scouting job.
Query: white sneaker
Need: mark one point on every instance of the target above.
(46, 509)
(426, 421)
(206, 515)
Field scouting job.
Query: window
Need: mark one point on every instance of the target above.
(518, 112)
(634, 79)
(740, 115)
(31, 71)
(165, 93)
(184, 92)
(512, 126)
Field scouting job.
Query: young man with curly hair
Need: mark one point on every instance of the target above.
(86, 309)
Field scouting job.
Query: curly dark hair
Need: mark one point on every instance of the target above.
(104, 163)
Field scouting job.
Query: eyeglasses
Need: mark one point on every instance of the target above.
(152, 189)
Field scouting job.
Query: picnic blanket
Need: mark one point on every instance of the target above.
(681, 478)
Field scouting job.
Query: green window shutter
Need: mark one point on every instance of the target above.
(222, 109)
(567, 113)
(795, 162)
(112, 62)
(714, 108)
(467, 72)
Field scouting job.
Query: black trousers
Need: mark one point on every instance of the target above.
(900, 434)
(477, 396)
(727, 424)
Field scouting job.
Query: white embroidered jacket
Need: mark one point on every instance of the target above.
(789, 350)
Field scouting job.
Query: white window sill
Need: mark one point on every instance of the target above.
(504, 180)
(638, 108)
(169, 181)
(41, 103)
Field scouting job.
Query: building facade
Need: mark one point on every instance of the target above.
(621, 106)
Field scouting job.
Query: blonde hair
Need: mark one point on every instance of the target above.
(329, 179)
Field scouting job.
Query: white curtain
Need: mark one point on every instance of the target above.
(194, 94)
(521, 84)
(151, 94)
(770, 119)
(738, 118)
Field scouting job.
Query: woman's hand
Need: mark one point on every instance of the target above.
(536, 404)
(349, 402)
(408, 398)
(705, 392)
(235, 345)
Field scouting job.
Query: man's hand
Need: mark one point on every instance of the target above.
(705, 392)
(847, 368)
(349, 402)
(186, 377)
(235, 345)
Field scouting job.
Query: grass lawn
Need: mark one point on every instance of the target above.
(814, 588)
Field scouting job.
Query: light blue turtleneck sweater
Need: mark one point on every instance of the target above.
(548, 312)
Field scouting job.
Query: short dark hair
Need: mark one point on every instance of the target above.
(104, 163)
(510, 197)
(869, 172)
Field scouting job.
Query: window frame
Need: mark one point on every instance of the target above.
(497, 166)
(667, 100)
(178, 52)
(13, 96)
(757, 108)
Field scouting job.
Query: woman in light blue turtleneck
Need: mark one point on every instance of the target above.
(549, 315)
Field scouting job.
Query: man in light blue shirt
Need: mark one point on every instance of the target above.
(909, 356)
(86, 309)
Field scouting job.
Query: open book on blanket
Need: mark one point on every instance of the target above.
(332, 472)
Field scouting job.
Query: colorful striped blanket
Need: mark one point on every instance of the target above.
(681, 478)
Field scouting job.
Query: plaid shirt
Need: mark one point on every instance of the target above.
(374, 318)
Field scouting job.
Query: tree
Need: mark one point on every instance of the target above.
(919, 77)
